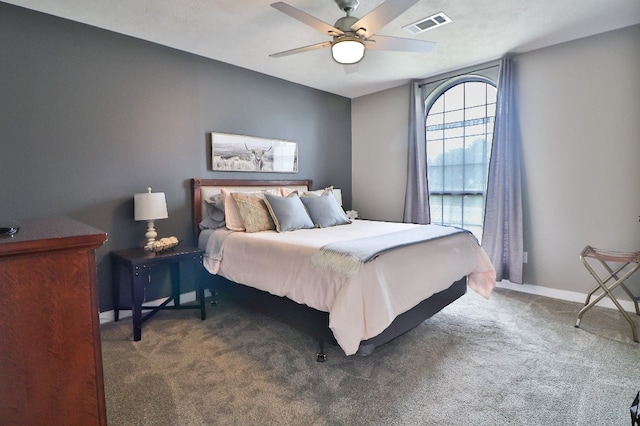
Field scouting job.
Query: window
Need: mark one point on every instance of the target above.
(460, 119)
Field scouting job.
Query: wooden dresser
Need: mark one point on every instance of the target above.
(50, 352)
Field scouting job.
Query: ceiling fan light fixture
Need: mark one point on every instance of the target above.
(347, 50)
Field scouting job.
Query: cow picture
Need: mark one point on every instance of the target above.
(251, 154)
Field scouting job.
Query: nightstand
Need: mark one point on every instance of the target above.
(138, 263)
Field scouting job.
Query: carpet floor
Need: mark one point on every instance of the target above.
(515, 359)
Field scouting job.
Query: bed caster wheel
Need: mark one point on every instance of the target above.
(321, 357)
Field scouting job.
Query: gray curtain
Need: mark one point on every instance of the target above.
(502, 232)
(416, 202)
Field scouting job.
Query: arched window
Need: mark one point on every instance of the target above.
(460, 118)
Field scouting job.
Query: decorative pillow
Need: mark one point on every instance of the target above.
(324, 210)
(288, 213)
(336, 193)
(215, 206)
(318, 192)
(285, 192)
(253, 211)
(231, 213)
(215, 212)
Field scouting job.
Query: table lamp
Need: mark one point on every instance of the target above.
(150, 206)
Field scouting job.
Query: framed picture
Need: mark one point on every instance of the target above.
(251, 154)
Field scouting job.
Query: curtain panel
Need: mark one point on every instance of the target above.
(416, 202)
(502, 236)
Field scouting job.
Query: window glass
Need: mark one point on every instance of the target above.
(438, 106)
(459, 133)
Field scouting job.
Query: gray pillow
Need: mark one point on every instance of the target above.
(215, 213)
(325, 210)
(288, 213)
(209, 223)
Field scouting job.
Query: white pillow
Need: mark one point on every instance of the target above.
(231, 213)
(337, 193)
(285, 192)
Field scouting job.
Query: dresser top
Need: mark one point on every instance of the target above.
(50, 233)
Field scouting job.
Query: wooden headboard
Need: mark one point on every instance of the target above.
(202, 189)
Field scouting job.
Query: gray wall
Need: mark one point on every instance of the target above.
(580, 108)
(581, 146)
(89, 117)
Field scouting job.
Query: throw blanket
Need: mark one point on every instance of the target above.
(214, 248)
(348, 256)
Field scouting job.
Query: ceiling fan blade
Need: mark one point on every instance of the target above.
(400, 44)
(301, 49)
(381, 16)
(305, 18)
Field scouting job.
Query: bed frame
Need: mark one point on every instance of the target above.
(302, 317)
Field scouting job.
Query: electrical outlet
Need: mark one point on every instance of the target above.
(525, 257)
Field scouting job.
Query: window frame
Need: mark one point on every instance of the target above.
(429, 102)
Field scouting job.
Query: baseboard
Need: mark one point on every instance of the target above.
(108, 316)
(553, 293)
(569, 296)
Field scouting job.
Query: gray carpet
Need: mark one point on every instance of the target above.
(515, 359)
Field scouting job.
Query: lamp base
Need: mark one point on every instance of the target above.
(150, 235)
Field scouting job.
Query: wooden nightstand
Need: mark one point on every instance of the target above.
(138, 263)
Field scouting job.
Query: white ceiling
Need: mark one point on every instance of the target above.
(245, 33)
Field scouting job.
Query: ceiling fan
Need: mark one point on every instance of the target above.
(351, 36)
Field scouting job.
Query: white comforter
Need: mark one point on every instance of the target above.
(360, 305)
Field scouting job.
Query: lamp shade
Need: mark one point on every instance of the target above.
(150, 206)
(347, 50)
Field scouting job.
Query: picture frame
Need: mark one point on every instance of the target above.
(239, 153)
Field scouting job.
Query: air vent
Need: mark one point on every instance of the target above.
(429, 23)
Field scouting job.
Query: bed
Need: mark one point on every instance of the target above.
(358, 284)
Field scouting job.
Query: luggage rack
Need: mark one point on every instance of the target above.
(614, 263)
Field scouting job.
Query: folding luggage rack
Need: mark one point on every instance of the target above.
(614, 263)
